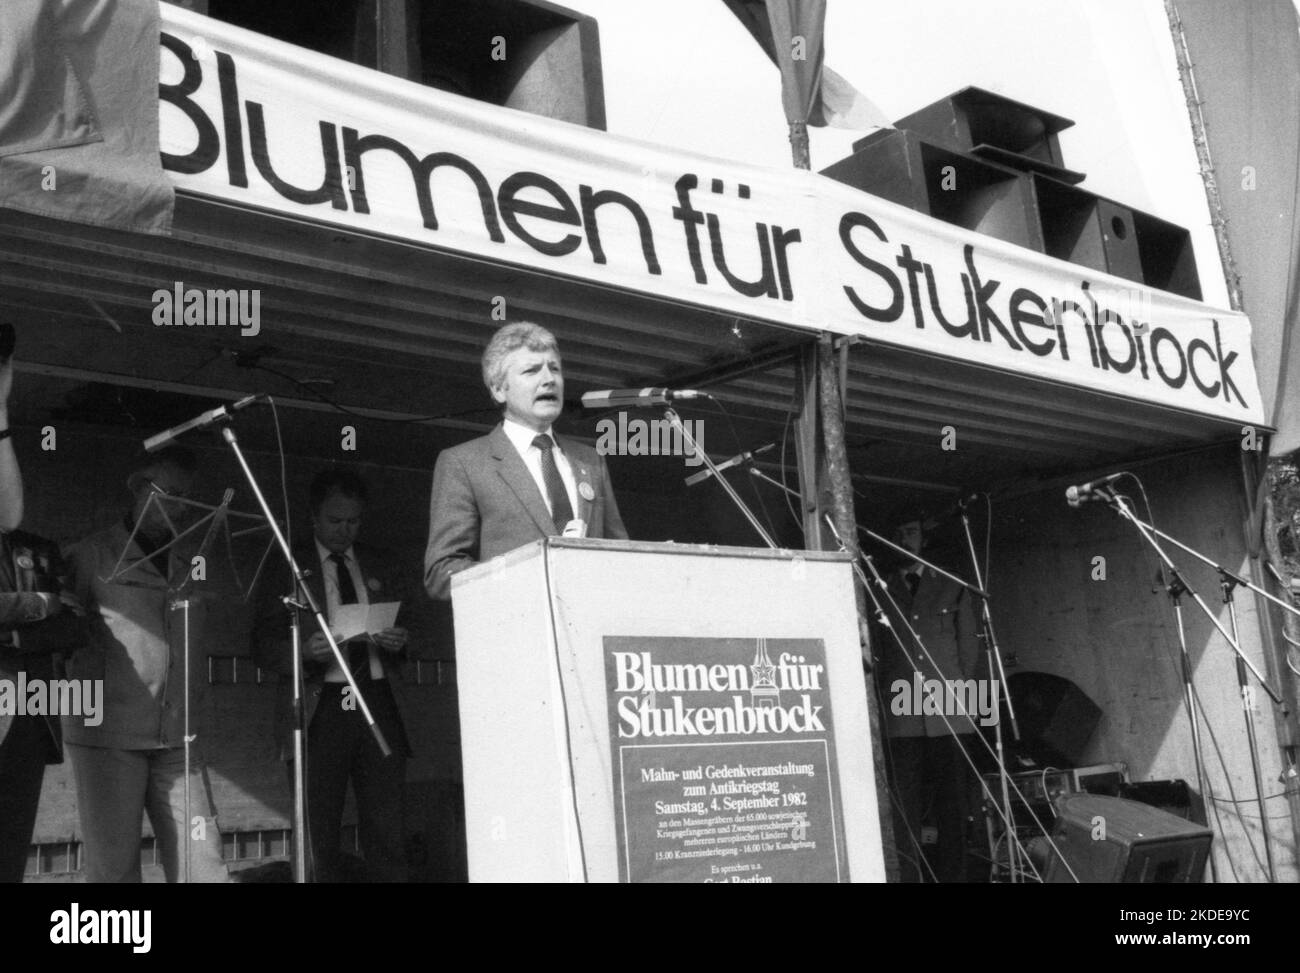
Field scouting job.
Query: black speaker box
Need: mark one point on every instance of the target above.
(552, 56)
(1056, 718)
(1099, 233)
(1109, 839)
(992, 164)
(975, 120)
(1087, 230)
(532, 55)
(904, 168)
(1171, 796)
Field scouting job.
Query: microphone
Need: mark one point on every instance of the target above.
(618, 398)
(953, 510)
(199, 422)
(736, 460)
(1076, 495)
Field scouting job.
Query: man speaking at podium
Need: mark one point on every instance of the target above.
(520, 482)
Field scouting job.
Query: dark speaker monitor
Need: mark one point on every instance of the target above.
(1056, 718)
(1109, 839)
(1171, 796)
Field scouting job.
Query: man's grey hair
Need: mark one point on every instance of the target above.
(521, 334)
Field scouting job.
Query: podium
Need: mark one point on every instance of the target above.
(661, 712)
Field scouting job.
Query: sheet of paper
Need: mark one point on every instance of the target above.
(352, 621)
(382, 615)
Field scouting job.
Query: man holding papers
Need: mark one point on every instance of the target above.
(360, 591)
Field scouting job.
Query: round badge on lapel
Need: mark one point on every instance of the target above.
(586, 491)
(373, 584)
(25, 562)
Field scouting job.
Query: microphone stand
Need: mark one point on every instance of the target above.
(747, 461)
(181, 599)
(1003, 810)
(675, 420)
(299, 750)
(228, 434)
(178, 598)
(1228, 581)
(1223, 572)
(913, 556)
(1176, 588)
(994, 662)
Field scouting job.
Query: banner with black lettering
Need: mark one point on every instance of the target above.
(256, 121)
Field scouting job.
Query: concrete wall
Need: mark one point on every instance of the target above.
(1117, 640)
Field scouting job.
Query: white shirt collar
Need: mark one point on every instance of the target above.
(522, 436)
(324, 552)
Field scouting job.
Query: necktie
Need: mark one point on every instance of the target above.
(358, 652)
(913, 582)
(347, 590)
(561, 509)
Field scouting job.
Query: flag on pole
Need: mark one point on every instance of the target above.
(79, 113)
(791, 34)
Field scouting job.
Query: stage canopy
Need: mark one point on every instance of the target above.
(388, 227)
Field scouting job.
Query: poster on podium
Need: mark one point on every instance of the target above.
(724, 760)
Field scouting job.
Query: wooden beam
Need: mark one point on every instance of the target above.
(397, 38)
(807, 450)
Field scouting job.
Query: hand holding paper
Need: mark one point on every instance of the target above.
(356, 621)
(391, 639)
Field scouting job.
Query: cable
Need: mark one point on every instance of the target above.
(199, 367)
(892, 776)
(1051, 806)
(293, 587)
(564, 711)
(1252, 800)
(785, 479)
(1209, 787)
(988, 541)
(284, 475)
(1008, 823)
(735, 436)
(1174, 656)
(1209, 729)
(306, 387)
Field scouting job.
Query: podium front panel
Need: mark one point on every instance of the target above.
(659, 712)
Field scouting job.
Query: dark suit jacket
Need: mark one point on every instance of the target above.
(486, 503)
(29, 564)
(943, 614)
(273, 648)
